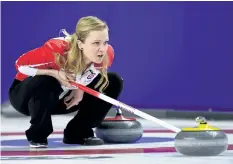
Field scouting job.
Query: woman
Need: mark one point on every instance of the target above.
(41, 86)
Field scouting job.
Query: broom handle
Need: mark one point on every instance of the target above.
(125, 107)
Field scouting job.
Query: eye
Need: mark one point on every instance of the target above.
(96, 43)
(106, 43)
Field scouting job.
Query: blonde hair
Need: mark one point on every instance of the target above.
(74, 63)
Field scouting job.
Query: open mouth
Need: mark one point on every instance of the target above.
(100, 56)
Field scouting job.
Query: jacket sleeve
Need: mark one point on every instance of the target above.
(41, 57)
(110, 53)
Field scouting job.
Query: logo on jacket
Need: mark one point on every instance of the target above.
(91, 75)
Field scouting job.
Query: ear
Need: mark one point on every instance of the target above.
(80, 44)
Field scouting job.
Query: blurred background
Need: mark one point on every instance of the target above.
(176, 58)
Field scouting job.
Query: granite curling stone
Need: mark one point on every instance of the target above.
(203, 140)
(119, 129)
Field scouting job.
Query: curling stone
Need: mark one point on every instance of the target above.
(119, 129)
(203, 140)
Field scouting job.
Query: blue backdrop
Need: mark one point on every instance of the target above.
(170, 54)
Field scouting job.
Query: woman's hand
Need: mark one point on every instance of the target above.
(74, 98)
(65, 79)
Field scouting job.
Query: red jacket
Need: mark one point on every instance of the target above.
(43, 58)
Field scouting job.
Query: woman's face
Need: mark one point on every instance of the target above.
(95, 46)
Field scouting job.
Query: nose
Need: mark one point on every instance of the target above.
(103, 48)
